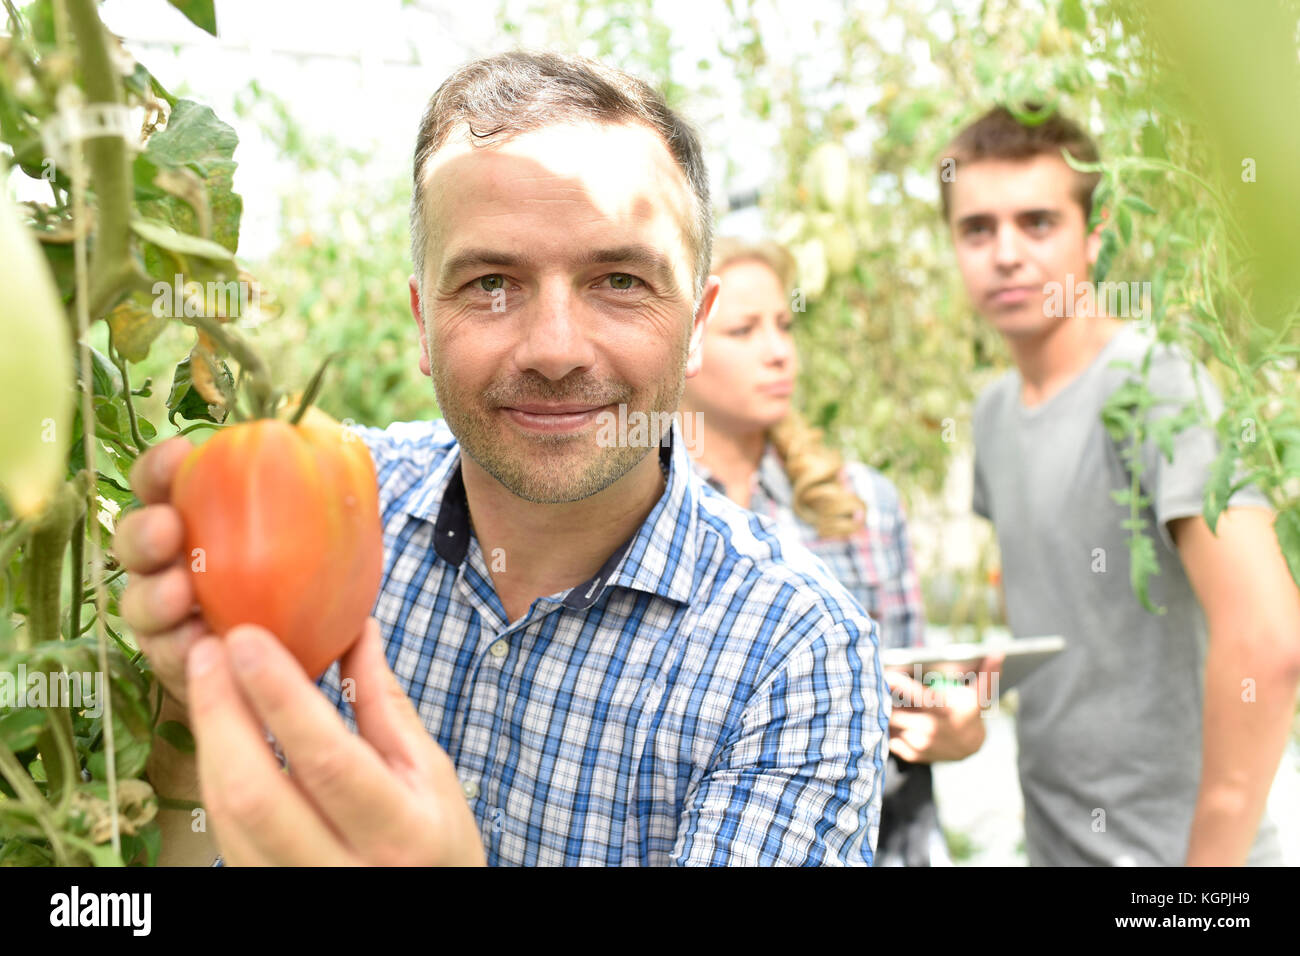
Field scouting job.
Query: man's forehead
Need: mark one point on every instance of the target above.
(1006, 185)
(591, 172)
(604, 157)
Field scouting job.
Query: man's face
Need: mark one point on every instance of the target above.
(557, 286)
(1016, 226)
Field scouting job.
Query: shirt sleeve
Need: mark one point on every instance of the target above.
(901, 611)
(1176, 485)
(799, 783)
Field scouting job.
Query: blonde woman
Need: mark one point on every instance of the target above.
(755, 449)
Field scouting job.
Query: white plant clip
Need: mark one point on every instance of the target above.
(77, 121)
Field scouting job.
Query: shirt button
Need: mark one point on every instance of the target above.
(471, 788)
(499, 649)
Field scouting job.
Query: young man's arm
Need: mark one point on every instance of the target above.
(1252, 611)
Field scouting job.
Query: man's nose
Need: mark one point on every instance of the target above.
(1007, 246)
(553, 336)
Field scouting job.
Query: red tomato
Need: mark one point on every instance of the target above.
(285, 520)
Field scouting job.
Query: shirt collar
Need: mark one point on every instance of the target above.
(658, 558)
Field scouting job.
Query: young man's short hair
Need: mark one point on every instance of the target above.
(999, 135)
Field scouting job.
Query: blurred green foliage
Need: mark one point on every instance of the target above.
(339, 276)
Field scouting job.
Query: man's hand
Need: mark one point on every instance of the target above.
(929, 724)
(387, 797)
(159, 603)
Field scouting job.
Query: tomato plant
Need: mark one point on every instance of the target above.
(132, 234)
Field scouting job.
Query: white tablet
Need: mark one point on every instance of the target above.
(1021, 656)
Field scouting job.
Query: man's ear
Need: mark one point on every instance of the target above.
(417, 313)
(695, 354)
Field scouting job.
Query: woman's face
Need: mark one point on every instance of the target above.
(747, 375)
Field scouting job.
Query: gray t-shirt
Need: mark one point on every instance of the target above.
(1109, 731)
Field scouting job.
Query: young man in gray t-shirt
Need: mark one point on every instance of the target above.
(1153, 738)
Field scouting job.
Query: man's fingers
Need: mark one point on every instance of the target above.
(149, 538)
(904, 750)
(905, 691)
(339, 773)
(385, 715)
(158, 602)
(168, 651)
(257, 813)
(152, 472)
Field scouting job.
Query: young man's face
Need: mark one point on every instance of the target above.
(1017, 226)
(557, 285)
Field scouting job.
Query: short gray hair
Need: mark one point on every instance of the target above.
(500, 97)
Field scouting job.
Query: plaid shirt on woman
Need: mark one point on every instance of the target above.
(710, 696)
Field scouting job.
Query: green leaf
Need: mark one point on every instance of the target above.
(1125, 222)
(196, 139)
(107, 415)
(130, 759)
(1134, 202)
(1073, 16)
(1142, 566)
(1287, 527)
(1165, 429)
(1219, 487)
(1210, 338)
(1153, 142)
(178, 735)
(151, 836)
(20, 728)
(134, 326)
(1105, 255)
(106, 380)
(198, 12)
(166, 237)
(188, 403)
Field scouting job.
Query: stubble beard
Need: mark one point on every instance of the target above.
(549, 469)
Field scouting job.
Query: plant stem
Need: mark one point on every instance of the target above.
(89, 594)
(189, 428)
(141, 445)
(250, 363)
(44, 562)
(113, 271)
(14, 19)
(75, 573)
(14, 539)
(31, 798)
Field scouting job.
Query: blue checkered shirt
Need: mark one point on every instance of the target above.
(711, 696)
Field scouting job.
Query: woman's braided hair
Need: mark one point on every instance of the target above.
(822, 497)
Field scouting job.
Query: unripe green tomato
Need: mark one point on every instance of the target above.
(36, 380)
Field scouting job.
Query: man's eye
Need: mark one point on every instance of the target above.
(740, 331)
(491, 283)
(622, 281)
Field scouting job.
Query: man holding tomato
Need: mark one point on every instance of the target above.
(580, 654)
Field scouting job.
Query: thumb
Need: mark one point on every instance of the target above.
(905, 691)
(386, 719)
